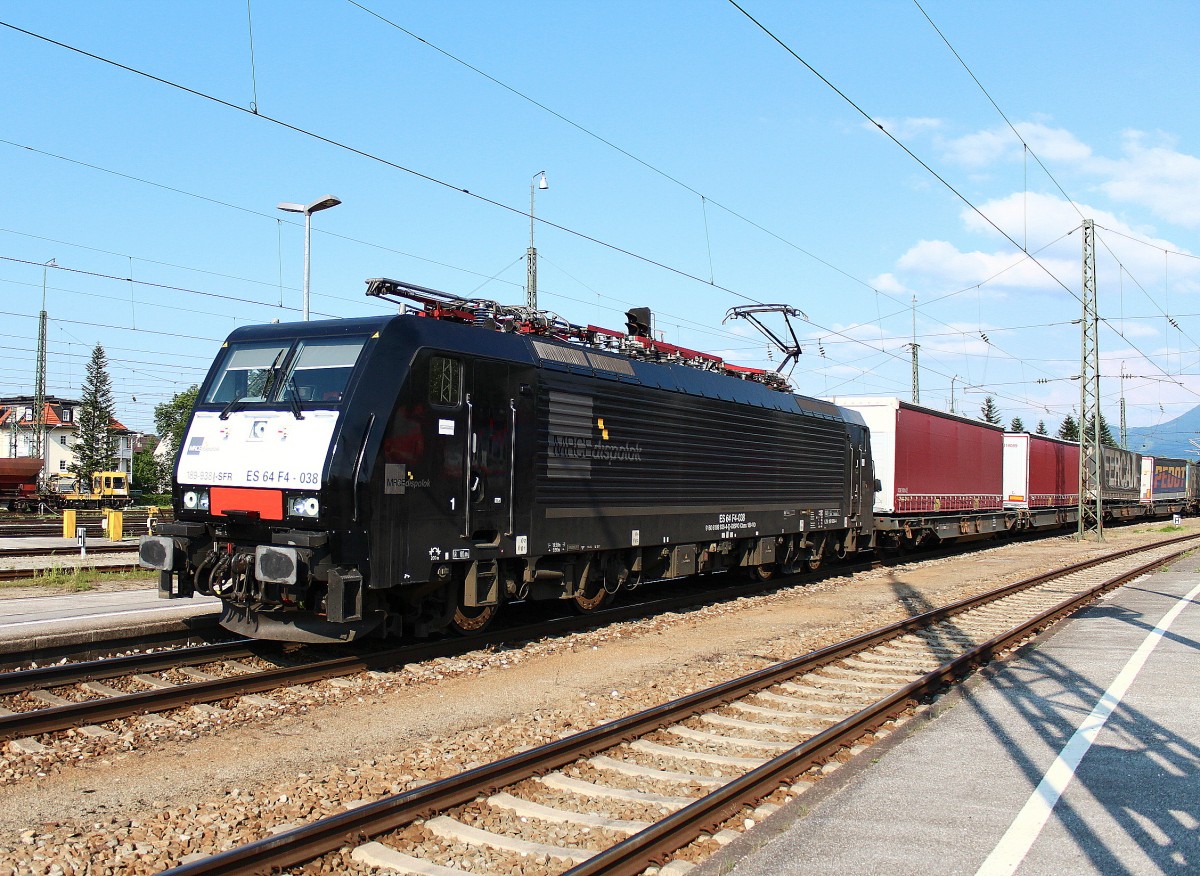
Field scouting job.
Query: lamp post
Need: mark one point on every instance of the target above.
(537, 182)
(315, 207)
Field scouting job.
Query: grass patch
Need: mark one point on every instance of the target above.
(71, 580)
(1170, 528)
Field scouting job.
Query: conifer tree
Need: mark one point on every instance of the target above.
(96, 443)
(1017, 425)
(1069, 430)
(1041, 429)
(1106, 435)
(989, 413)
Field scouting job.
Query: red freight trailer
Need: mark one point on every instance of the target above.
(1040, 471)
(930, 461)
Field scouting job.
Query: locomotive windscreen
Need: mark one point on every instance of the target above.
(317, 370)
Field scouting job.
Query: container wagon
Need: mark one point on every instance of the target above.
(1164, 485)
(1041, 480)
(940, 475)
(18, 483)
(1121, 484)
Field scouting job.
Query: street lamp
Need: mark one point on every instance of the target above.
(315, 207)
(538, 182)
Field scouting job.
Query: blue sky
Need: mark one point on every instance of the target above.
(729, 169)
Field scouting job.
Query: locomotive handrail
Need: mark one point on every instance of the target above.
(362, 452)
(512, 469)
(467, 469)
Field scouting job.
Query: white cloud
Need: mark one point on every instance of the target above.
(980, 149)
(1157, 177)
(1044, 220)
(890, 284)
(1151, 172)
(940, 264)
(985, 148)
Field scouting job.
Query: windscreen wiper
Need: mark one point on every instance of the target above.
(297, 411)
(225, 411)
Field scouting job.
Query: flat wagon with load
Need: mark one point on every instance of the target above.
(1041, 480)
(940, 475)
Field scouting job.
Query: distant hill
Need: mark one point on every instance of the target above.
(1169, 438)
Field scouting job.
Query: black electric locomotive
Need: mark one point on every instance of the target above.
(415, 472)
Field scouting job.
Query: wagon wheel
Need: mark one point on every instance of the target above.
(472, 620)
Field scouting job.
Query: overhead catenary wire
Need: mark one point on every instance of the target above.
(384, 161)
(926, 166)
(705, 199)
(900, 143)
(371, 156)
(684, 274)
(1029, 150)
(992, 101)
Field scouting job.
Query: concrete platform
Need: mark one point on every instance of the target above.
(40, 623)
(1080, 755)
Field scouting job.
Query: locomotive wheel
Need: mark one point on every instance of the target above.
(763, 572)
(592, 597)
(813, 563)
(470, 621)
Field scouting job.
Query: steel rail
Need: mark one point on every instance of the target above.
(113, 667)
(34, 574)
(633, 855)
(304, 843)
(111, 708)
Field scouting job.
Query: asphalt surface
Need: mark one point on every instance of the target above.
(966, 790)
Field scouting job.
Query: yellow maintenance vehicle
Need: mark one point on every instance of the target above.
(110, 489)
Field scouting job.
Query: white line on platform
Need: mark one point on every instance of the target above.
(1024, 831)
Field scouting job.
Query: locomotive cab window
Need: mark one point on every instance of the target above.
(445, 382)
(321, 369)
(247, 372)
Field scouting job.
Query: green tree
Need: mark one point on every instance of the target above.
(989, 413)
(1017, 425)
(1041, 429)
(96, 443)
(171, 417)
(1069, 430)
(1106, 435)
(146, 475)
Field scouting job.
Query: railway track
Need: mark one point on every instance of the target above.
(630, 794)
(74, 693)
(93, 521)
(33, 574)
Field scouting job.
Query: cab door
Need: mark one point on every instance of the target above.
(489, 486)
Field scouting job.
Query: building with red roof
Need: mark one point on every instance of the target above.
(60, 415)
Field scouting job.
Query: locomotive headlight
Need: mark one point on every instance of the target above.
(196, 500)
(304, 506)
